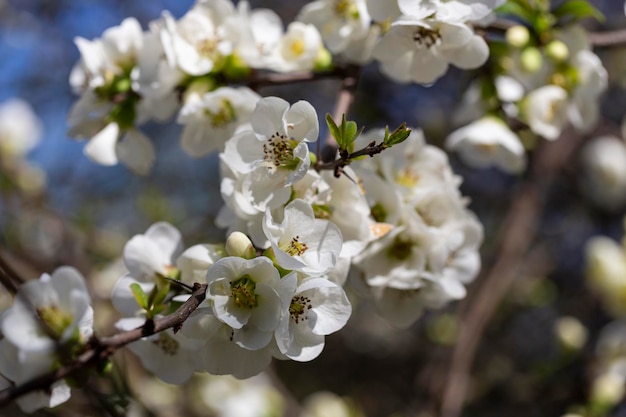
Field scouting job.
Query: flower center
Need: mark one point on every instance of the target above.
(242, 292)
(400, 249)
(167, 344)
(346, 9)
(299, 307)
(208, 48)
(224, 116)
(294, 246)
(407, 178)
(297, 47)
(426, 38)
(378, 212)
(54, 320)
(278, 152)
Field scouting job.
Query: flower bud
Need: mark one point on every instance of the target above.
(236, 68)
(199, 87)
(323, 60)
(557, 51)
(240, 245)
(531, 59)
(571, 333)
(607, 390)
(517, 36)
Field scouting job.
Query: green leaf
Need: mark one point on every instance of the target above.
(140, 295)
(521, 10)
(577, 9)
(161, 294)
(333, 128)
(157, 309)
(397, 136)
(345, 134)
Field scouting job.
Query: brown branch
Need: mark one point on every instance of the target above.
(608, 39)
(516, 236)
(596, 39)
(270, 79)
(99, 349)
(9, 278)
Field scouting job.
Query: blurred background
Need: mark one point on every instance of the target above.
(542, 351)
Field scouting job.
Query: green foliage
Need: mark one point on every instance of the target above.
(345, 134)
(140, 295)
(574, 10)
(397, 136)
(153, 303)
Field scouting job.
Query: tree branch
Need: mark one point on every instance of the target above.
(516, 236)
(99, 349)
(9, 278)
(270, 79)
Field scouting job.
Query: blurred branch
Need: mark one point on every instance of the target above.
(516, 236)
(99, 349)
(271, 79)
(9, 278)
(608, 39)
(596, 39)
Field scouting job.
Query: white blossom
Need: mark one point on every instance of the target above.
(545, 110)
(168, 355)
(212, 118)
(604, 171)
(246, 296)
(301, 242)
(153, 253)
(339, 22)
(420, 50)
(297, 49)
(196, 43)
(488, 141)
(318, 307)
(48, 313)
(20, 129)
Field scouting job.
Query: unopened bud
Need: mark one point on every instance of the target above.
(557, 51)
(240, 245)
(607, 390)
(323, 60)
(517, 36)
(571, 333)
(199, 87)
(531, 59)
(236, 68)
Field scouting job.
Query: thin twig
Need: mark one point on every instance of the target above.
(9, 278)
(271, 79)
(516, 236)
(608, 39)
(99, 349)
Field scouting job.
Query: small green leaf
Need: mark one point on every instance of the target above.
(351, 129)
(161, 294)
(157, 309)
(397, 136)
(521, 10)
(140, 295)
(577, 9)
(333, 128)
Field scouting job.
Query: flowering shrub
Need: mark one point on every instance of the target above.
(313, 225)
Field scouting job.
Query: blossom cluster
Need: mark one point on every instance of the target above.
(399, 218)
(184, 66)
(280, 304)
(403, 220)
(546, 87)
(50, 321)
